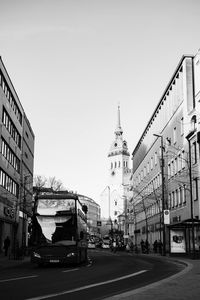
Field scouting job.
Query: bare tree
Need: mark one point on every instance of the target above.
(51, 182)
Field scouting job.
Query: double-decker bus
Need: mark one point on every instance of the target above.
(59, 229)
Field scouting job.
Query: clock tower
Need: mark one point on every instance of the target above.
(119, 171)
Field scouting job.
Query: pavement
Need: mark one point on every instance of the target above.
(7, 262)
(184, 285)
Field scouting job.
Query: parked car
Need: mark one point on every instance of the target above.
(91, 245)
(105, 245)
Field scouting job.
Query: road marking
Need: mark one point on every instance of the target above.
(86, 286)
(70, 270)
(18, 278)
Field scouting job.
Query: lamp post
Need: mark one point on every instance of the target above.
(188, 137)
(23, 213)
(163, 193)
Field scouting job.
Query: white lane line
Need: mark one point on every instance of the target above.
(70, 270)
(18, 278)
(86, 286)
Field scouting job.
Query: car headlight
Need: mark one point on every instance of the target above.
(37, 255)
(71, 254)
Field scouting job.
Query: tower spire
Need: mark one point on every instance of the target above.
(118, 130)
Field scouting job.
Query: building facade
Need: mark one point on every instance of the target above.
(16, 164)
(93, 215)
(166, 163)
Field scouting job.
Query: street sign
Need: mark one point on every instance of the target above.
(166, 217)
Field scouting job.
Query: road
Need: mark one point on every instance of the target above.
(107, 274)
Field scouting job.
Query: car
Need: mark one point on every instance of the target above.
(91, 245)
(105, 246)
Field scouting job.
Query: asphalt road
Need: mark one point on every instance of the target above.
(107, 274)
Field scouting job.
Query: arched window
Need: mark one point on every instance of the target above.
(193, 122)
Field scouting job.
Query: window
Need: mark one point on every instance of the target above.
(184, 193)
(156, 158)
(169, 170)
(193, 123)
(180, 196)
(145, 171)
(172, 200)
(174, 136)
(194, 153)
(182, 126)
(8, 183)
(11, 128)
(169, 201)
(10, 156)
(151, 163)
(176, 165)
(195, 189)
(176, 198)
(148, 168)
(183, 162)
(10, 98)
(172, 168)
(179, 163)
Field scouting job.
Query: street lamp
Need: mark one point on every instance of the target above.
(23, 213)
(188, 137)
(163, 192)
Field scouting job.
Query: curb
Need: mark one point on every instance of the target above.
(128, 295)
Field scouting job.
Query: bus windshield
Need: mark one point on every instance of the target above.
(56, 221)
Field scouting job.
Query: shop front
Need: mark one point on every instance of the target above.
(184, 238)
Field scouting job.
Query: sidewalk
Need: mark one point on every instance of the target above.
(184, 285)
(6, 262)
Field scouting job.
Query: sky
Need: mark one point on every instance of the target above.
(72, 62)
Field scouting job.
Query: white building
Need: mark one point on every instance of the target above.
(113, 198)
(175, 122)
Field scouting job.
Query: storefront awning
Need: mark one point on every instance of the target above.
(185, 224)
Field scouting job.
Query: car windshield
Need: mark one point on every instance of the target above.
(56, 221)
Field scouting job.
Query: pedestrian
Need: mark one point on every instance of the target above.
(114, 245)
(147, 246)
(6, 245)
(160, 246)
(155, 246)
(142, 246)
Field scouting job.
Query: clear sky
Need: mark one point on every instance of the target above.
(73, 61)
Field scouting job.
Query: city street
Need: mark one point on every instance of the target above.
(107, 274)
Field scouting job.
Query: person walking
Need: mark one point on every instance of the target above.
(147, 246)
(142, 246)
(155, 246)
(6, 245)
(160, 246)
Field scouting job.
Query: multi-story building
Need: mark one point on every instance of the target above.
(163, 178)
(16, 164)
(93, 214)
